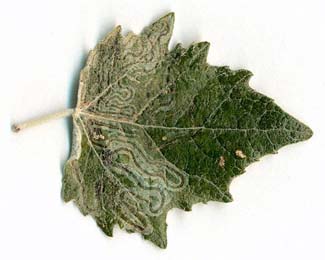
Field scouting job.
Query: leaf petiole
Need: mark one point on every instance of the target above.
(42, 119)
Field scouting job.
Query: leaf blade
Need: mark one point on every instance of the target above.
(157, 130)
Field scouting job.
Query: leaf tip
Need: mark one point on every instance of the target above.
(227, 198)
(301, 132)
(118, 28)
(169, 18)
(308, 132)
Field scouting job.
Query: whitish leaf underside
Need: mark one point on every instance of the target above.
(158, 129)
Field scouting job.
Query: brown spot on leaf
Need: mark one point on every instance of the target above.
(240, 154)
(222, 161)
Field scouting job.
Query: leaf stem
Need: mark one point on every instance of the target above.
(42, 119)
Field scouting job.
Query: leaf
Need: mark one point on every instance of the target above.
(156, 130)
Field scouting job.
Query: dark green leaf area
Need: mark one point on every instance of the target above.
(213, 124)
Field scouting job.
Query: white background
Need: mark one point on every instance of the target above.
(278, 210)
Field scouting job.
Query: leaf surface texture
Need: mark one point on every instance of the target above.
(158, 129)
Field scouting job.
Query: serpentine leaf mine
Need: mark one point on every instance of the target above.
(156, 129)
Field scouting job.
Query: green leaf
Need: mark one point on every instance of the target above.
(156, 129)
